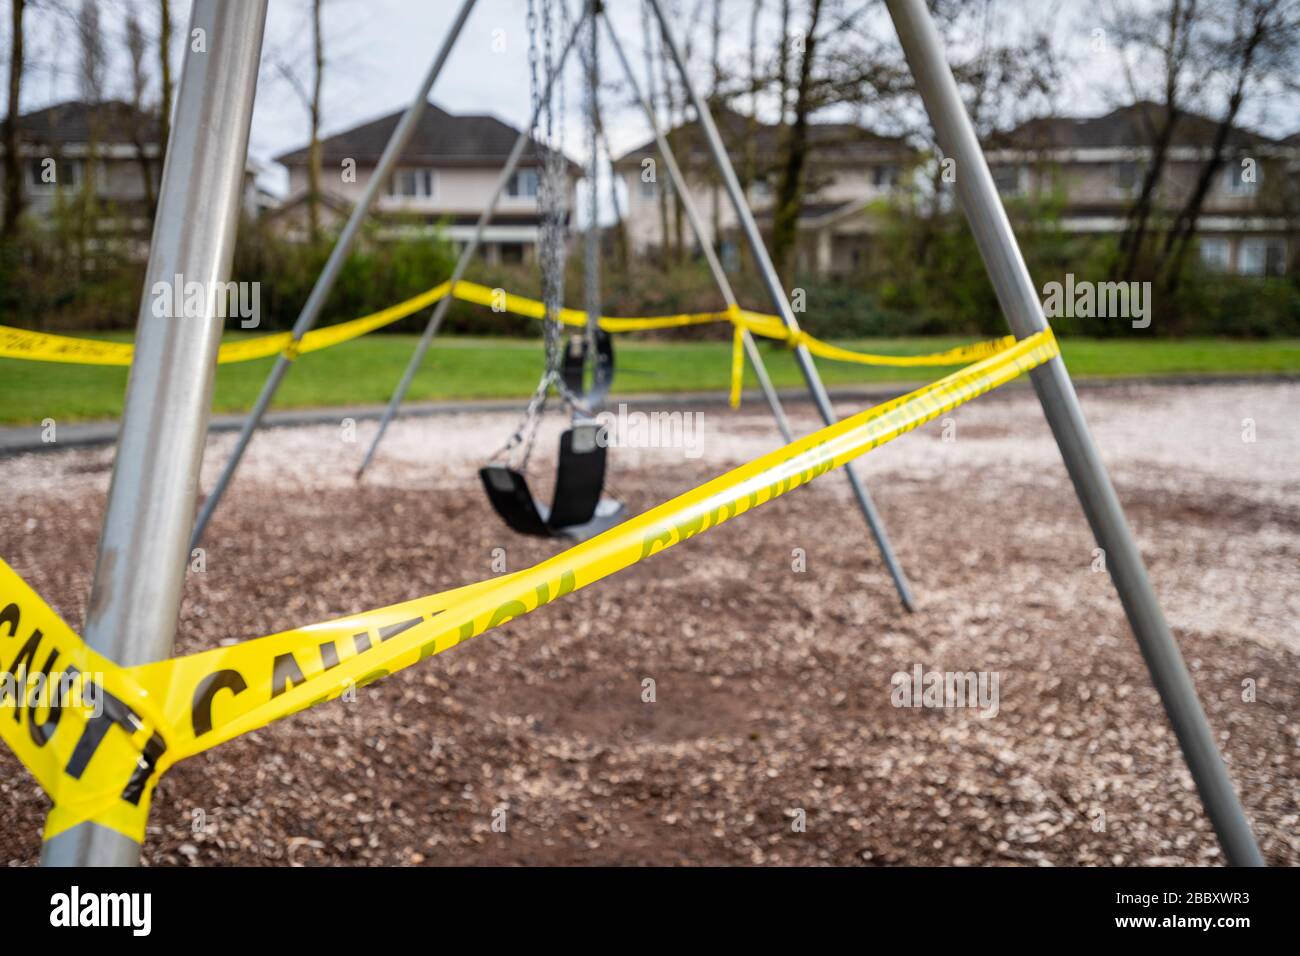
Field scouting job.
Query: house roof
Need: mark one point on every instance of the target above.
(830, 143)
(111, 121)
(1125, 127)
(439, 139)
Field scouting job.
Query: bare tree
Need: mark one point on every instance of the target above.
(783, 62)
(165, 72)
(715, 99)
(1165, 34)
(139, 122)
(652, 94)
(93, 60)
(1258, 40)
(749, 157)
(310, 94)
(13, 162)
(790, 182)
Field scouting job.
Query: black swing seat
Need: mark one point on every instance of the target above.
(578, 510)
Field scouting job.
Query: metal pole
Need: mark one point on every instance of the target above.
(325, 282)
(1020, 303)
(140, 568)
(697, 226)
(591, 265)
(770, 279)
(462, 263)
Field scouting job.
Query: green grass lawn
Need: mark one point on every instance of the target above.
(366, 370)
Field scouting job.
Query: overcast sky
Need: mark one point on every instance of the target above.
(378, 51)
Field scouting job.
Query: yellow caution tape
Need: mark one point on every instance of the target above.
(499, 300)
(737, 365)
(99, 755)
(45, 347)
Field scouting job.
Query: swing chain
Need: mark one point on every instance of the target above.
(552, 195)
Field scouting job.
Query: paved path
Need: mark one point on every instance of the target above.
(21, 439)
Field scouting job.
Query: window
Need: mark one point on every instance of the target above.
(512, 253)
(648, 189)
(414, 183)
(884, 177)
(1214, 253)
(523, 184)
(1128, 179)
(1008, 179)
(1262, 257)
(761, 189)
(66, 172)
(1241, 178)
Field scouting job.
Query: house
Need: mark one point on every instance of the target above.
(442, 183)
(849, 169)
(1095, 167)
(115, 145)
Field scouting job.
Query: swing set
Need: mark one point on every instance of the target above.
(170, 708)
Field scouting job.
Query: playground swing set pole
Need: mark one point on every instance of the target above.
(780, 301)
(140, 566)
(333, 266)
(591, 250)
(697, 227)
(1016, 294)
(467, 255)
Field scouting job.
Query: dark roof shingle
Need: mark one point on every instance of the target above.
(1125, 127)
(111, 121)
(829, 142)
(439, 139)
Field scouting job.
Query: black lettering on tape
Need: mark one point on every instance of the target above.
(329, 655)
(285, 672)
(392, 630)
(201, 708)
(116, 713)
(11, 615)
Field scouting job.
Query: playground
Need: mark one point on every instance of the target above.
(773, 686)
(1010, 638)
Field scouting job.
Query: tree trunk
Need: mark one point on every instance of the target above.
(1180, 237)
(137, 48)
(674, 141)
(785, 214)
(13, 161)
(714, 97)
(1181, 21)
(749, 162)
(652, 95)
(783, 62)
(1130, 244)
(1184, 231)
(165, 73)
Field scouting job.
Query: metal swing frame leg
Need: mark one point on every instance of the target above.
(141, 562)
(333, 266)
(1019, 300)
(779, 299)
(701, 235)
(591, 245)
(467, 255)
